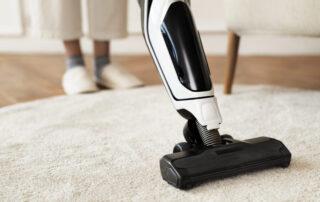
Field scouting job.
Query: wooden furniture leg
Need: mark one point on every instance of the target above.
(233, 48)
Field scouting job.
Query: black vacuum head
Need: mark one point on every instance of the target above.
(187, 168)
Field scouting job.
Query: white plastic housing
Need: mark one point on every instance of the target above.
(203, 105)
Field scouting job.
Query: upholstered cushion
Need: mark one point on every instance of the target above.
(288, 17)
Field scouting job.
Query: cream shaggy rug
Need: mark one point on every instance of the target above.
(106, 146)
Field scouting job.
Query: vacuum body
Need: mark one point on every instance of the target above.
(176, 48)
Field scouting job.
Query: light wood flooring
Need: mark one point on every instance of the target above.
(29, 77)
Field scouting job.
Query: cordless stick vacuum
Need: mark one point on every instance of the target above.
(176, 48)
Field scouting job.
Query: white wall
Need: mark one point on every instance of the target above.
(10, 20)
(208, 16)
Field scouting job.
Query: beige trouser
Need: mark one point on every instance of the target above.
(107, 19)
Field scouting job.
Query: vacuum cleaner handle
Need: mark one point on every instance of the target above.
(175, 45)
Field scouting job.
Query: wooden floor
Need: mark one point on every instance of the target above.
(29, 77)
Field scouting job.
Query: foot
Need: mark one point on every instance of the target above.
(77, 80)
(114, 77)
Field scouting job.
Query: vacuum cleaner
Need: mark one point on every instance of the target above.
(176, 48)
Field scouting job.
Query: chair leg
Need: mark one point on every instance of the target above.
(233, 48)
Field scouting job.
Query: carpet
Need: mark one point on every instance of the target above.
(106, 146)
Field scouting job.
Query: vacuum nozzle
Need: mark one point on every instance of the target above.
(187, 168)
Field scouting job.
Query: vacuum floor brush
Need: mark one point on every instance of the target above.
(176, 48)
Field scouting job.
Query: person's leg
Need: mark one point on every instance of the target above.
(101, 56)
(101, 48)
(72, 47)
(76, 78)
(61, 19)
(74, 57)
(108, 20)
(108, 74)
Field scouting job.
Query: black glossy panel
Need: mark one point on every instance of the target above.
(185, 48)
